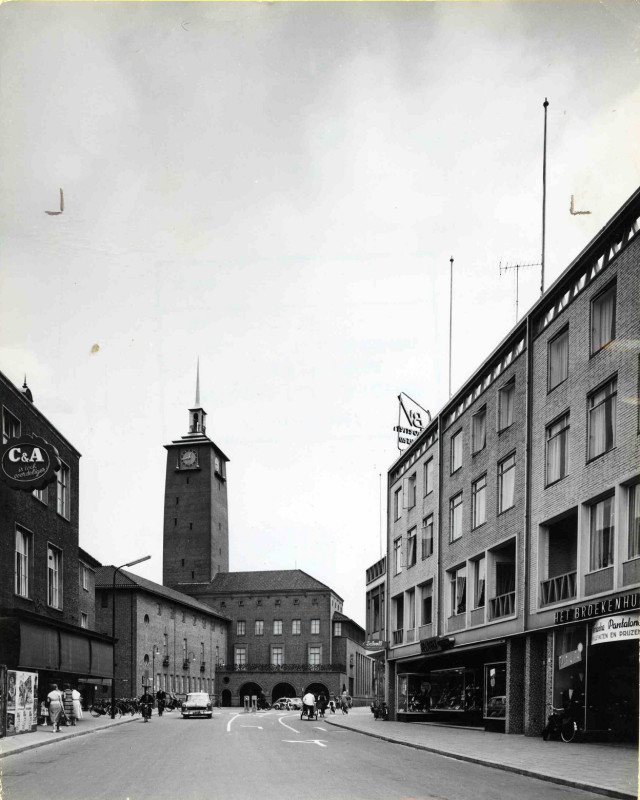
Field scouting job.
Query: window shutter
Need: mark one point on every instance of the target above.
(405, 493)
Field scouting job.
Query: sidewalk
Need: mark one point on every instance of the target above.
(608, 769)
(10, 745)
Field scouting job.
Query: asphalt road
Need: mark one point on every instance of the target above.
(265, 756)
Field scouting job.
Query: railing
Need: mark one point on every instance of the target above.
(411, 635)
(283, 668)
(397, 636)
(165, 661)
(186, 664)
(503, 605)
(560, 587)
(203, 666)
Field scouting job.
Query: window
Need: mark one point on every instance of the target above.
(337, 629)
(506, 397)
(455, 517)
(315, 655)
(602, 419)
(602, 533)
(409, 491)
(104, 600)
(84, 620)
(277, 655)
(479, 430)
(634, 521)
(479, 502)
(10, 426)
(315, 626)
(411, 547)
(603, 319)
(241, 628)
(426, 603)
(506, 483)
(397, 555)
(240, 656)
(458, 590)
(397, 504)
(411, 609)
(558, 360)
(42, 495)
(62, 483)
(259, 629)
(428, 477)
(456, 451)
(277, 627)
(479, 580)
(85, 578)
(165, 644)
(159, 609)
(54, 577)
(557, 457)
(23, 543)
(427, 536)
(295, 627)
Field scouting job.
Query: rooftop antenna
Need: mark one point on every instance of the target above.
(517, 268)
(380, 484)
(544, 194)
(450, 317)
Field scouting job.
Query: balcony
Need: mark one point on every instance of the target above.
(165, 661)
(282, 668)
(561, 587)
(411, 635)
(504, 605)
(186, 664)
(398, 636)
(203, 666)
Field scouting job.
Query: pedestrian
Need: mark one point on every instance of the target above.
(68, 705)
(55, 705)
(322, 705)
(161, 699)
(77, 705)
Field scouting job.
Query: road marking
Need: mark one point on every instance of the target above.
(318, 728)
(319, 742)
(280, 720)
(230, 721)
(253, 726)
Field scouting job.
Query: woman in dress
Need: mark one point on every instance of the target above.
(77, 708)
(55, 700)
(68, 704)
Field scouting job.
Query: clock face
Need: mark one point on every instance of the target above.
(188, 458)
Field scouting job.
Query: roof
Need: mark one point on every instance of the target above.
(338, 616)
(88, 559)
(127, 580)
(278, 580)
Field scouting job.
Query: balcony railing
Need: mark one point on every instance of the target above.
(165, 661)
(561, 587)
(398, 636)
(411, 635)
(283, 668)
(203, 666)
(503, 605)
(186, 664)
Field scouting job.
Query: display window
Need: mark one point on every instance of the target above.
(570, 663)
(457, 689)
(495, 690)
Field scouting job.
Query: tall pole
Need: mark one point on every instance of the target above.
(380, 515)
(450, 318)
(113, 629)
(544, 193)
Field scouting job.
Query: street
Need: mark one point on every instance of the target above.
(262, 756)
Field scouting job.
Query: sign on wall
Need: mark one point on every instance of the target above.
(412, 420)
(620, 628)
(22, 702)
(28, 462)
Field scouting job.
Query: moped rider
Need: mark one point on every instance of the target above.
(146, 703)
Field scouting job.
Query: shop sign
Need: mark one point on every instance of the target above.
(22, 702)
(375, 644)
(28, 462)
(572, 657)
(412, 418)
(436, 644)
(627, 602)
(620, 628)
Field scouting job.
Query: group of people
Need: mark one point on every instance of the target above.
(62, 707)
(309, 701)
(147, 701)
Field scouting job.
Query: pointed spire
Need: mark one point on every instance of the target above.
(26, 391)
(198, 384)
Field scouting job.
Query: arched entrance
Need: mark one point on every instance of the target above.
(226, 698)
(249, 689)
(282, 690)
(318, 689)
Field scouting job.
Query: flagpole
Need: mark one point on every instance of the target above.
(450, 318)
(544, 193)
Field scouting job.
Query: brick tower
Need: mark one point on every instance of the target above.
(196, 520)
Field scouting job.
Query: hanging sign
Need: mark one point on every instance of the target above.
(28, 462)
(620, 628)
(412, 419)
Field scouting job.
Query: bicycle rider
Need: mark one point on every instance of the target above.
(161, 699)
(146, 703)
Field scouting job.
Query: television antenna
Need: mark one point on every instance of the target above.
(517, 267)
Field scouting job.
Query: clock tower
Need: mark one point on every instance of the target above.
(196, 519)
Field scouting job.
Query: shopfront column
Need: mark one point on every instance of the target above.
(537, 662)
(514, 722)
(392, 699)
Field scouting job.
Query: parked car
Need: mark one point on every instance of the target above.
(197, 704)
(295, 704)
(281, 704)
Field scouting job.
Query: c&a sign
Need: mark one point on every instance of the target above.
(28, 462)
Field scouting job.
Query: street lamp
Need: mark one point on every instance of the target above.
(155, 652)
(113, 628)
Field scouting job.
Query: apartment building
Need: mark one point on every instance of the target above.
(514, 518)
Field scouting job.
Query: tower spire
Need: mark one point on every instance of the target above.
(198, 384)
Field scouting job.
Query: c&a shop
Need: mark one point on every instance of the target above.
(595, 666)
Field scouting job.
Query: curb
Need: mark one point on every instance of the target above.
(74, 735)
(587, 787)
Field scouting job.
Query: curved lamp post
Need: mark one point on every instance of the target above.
(113, 627)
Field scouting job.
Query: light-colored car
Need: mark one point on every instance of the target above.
(288, 704)
(197, 704)
(295, 704)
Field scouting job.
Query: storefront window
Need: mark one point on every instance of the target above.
(569, 670)
(495, 690)
(455, 690)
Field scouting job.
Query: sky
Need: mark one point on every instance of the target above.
(276, 189)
